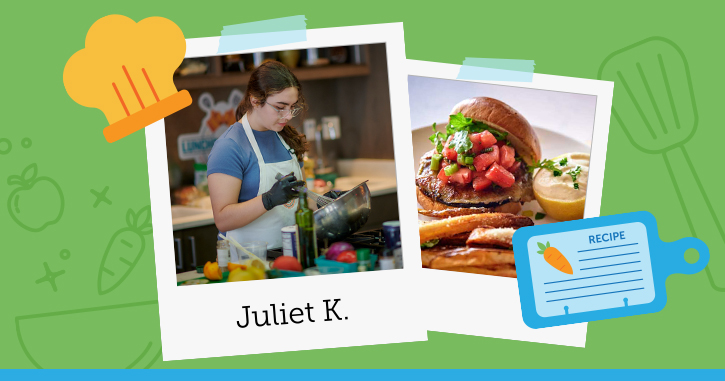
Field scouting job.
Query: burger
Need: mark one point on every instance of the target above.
(479, 161)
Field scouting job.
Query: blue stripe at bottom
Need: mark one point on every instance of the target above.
(354, 374)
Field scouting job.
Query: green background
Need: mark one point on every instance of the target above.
(568, 39)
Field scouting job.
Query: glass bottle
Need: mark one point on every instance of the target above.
(222, 254)
(305, 219)
(363, 260)
(391, 231)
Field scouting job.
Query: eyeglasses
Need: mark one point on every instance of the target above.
(283, 112)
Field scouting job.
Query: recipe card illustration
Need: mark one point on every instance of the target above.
(597, 268)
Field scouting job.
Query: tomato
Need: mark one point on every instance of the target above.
(500, 176)
(475, 138)
(287, 263)
(442, 176)
(514, 167)
(486, 138)
(480, 183)
(482, 161)
(347, 256)
(450, 154)
(477, 147)
(463, 176)
(508, 156)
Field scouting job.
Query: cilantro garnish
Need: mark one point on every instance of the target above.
(546, 164)
(461, 128)
(438, 138)
(461, 142)
(574, 173)
(551, 166)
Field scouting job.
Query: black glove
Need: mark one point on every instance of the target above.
(282, 192)
(331, 194)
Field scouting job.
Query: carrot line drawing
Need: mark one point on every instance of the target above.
(124, 250)
(555, 258)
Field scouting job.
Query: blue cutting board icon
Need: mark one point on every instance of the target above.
(619, 267)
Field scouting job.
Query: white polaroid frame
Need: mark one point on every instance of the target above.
(482, 305)
(376, 307)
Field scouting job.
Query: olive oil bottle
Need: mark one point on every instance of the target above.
(305, 219)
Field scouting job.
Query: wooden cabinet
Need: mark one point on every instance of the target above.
(194, 247)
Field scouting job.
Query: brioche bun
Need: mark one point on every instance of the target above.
(502, 117)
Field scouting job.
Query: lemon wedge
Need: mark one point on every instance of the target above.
(557, 194)
(254, 263)
(239, 275)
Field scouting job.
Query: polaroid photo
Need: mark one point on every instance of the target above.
(222, 298)
(490, 157)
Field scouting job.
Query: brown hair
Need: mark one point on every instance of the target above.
(270, 78)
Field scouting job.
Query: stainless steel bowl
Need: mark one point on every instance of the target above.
(344, 216)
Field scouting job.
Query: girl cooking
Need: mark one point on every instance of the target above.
(249, 203)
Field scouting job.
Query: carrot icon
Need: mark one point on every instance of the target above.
(555, 258)
(124, 250)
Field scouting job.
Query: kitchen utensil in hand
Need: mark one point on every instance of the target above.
(320, 200)
(317, 198)
(655, 107)
(282, 191)
(329, 197)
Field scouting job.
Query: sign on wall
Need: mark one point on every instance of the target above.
(219, 116)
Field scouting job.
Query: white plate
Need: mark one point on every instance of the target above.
(552, 144)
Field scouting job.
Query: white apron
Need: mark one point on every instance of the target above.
(268, 226)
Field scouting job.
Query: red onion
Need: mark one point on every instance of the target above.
(337, 248)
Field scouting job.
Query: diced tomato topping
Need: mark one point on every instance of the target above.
(450, 154)
(508, 156)
(442, 176)
(477, 147)
(462, 176)
(486, 138)
(500, 176)
(481, 182)
(501, 143)
(484, 160)
(514, 167)
(475, 138)
(478, 174)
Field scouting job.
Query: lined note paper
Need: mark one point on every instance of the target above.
(611, 268)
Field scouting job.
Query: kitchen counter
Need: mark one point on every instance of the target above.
(185, 217)
(378, 186)
(379, 173)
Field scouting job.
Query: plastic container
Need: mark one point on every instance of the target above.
(326, 270)
(347, 267)
(258, 248)
(276, 274)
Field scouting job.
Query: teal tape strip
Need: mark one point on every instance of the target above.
(263, 33)
(494, 69)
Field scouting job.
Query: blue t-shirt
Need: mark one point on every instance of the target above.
(233, 155)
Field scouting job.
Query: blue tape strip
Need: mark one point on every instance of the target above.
(494, 69)
(263, 33)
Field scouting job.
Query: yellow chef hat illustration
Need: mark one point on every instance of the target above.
(126, 70)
